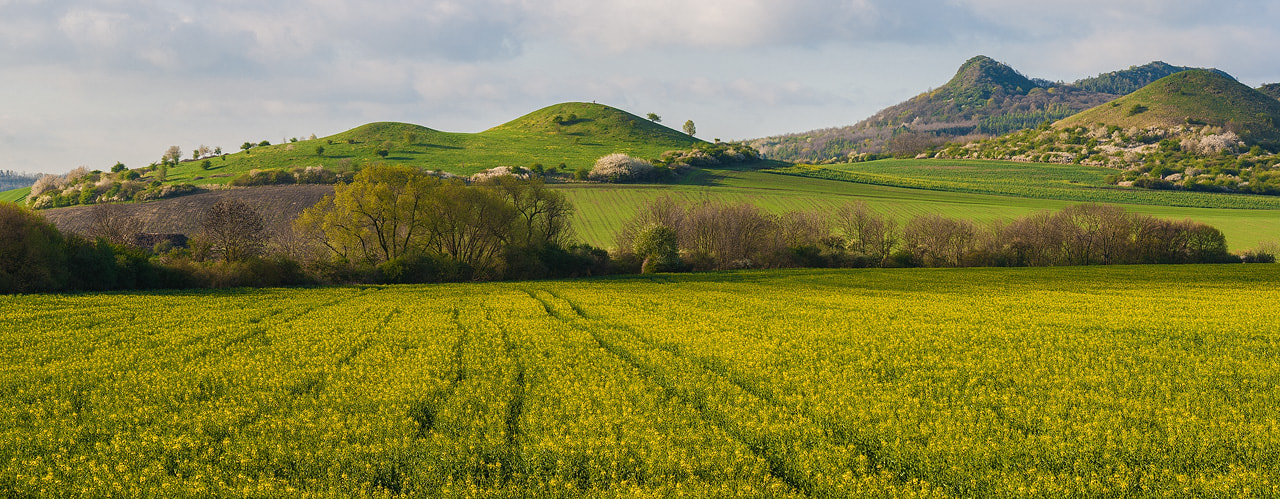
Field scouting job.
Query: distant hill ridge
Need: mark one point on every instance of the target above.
(1127, 81)
(1196, 130)
(1271, 89)
(563, 137)
(574, 134)
(984, 98)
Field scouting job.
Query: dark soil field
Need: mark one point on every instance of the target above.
(279, 205)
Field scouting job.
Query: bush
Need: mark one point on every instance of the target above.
(553, 261)
(421, 268)
(620, 168)
(657, 246)
(32, 252)
(264, 177)
(1264, 253)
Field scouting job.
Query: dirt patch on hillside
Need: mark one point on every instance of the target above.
(279, 205)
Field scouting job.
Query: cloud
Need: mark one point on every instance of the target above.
(631, 25)
(92, 81)
(252, 37)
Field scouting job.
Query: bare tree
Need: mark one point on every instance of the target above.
(234, 229)
(111, 223)
(470, 225)
(803, 228)
(867, 232)
(940, 241)
(1033, 240)
(730, 235)
(172, 155)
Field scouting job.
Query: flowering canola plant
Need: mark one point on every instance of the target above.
(1116, 381)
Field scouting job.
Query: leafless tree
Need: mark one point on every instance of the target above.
(730, 235)
(940, 241)
(234, 229)
(470, 225)
(172, 155)
(866, 232)
(113, 224)
(803, 228)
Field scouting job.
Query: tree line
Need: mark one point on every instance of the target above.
(668, 235)
(398, 224)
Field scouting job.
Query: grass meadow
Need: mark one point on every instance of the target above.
(602, 209)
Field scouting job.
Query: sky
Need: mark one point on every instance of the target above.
(93, 82)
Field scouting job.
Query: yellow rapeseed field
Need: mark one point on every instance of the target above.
(1085, 382)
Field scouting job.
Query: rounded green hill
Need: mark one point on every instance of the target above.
(1195, 97)
(574, 134)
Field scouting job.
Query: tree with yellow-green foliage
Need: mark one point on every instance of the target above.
(382, 214)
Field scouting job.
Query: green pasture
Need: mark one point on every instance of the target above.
(602, 209)
(15, 195)
(1028, 180)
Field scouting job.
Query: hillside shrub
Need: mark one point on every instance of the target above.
(165, 191)
(1264, 253)
(618, 167)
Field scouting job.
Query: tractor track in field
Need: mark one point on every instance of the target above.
(515, 407)
(837, 433)
(777, 466)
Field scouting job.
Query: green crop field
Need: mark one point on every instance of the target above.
(1029, 180)
(602, 209)
(1081, 382)
(15, 195)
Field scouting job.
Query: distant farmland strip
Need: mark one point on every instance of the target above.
(1022, 180)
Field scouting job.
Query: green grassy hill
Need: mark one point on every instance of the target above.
(1195, 97)
(586, 132)
(984, 98)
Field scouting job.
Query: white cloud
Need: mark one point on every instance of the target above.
(93, 81)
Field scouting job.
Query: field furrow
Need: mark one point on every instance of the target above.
(1085, 382)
